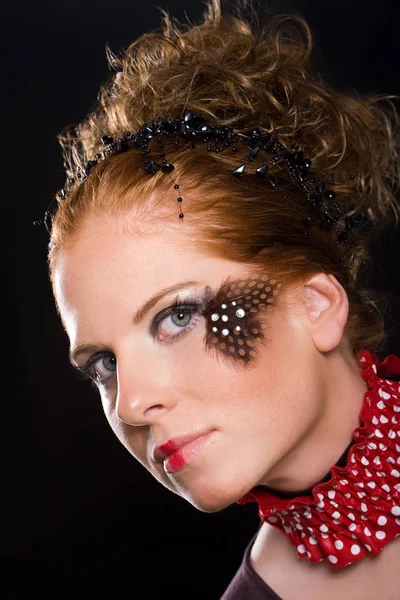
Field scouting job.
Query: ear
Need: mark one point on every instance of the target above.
(327, 310)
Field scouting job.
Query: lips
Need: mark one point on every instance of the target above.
(178, 452)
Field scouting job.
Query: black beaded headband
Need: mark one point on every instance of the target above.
(195, 129)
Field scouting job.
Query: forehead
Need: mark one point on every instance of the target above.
(108, 267)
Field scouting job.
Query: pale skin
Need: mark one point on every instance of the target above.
(297, 405)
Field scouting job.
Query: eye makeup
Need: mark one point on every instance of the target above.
(235, 329)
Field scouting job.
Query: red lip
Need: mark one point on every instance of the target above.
(172, 447)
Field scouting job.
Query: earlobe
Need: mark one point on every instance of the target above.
(327, 309)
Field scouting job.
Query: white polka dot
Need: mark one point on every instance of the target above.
(313, 540)
(382, 520)
(361, 494)
(351, 516)
(395, 511)
(344, 481)
(298, 526)
(336, 514)
(372, 446)
(323, 528)
(287, 529)
(352, 527)
(397, 521)
(354, 471)
(308, 554)
(381, 405)
(391, 434)
(325, 536)
(332, 559)
(386, 488)
(396, 408)
(371, 484)
(367, 531)
(380, 535)
(375, 420)
(364, 507)
(365, 461)
(378, 433)
(395, 473)
(355, 549)
(331, 494)
(367, 547)
(382, 447)
(377, 460)
(386, 396)
(321, 504)
(339, 544)
(383, 419)
(273, 519)
(301, 549)
(225, 318)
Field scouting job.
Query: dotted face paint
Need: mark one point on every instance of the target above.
(233, 316)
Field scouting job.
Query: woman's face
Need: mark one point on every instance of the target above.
(222, 430)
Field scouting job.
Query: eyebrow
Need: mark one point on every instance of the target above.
(138, 317)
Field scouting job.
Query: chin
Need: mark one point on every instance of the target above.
(211, 497)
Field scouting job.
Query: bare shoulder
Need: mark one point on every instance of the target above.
(276, 562)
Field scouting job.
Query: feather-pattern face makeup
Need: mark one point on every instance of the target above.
(235, 328)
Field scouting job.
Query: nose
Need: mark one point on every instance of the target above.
(144, 393)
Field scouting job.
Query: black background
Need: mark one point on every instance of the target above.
(83, 520)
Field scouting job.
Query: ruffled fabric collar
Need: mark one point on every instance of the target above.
(356, 512)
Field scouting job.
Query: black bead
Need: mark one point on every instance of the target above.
(176, 187)
(181, 216)
(106, 140)
(263, 170)
(253, 152)
(167, 168)
(351, 176)
(330, 194)
(239, 171)
(151, 167)
(307, 221)
(179, 199)
(342, 237)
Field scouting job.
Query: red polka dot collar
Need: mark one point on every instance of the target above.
(356, 511)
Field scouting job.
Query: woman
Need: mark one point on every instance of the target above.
(205, 258)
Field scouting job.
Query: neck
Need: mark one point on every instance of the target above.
(325, 443)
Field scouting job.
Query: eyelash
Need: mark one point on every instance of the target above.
(195, 309)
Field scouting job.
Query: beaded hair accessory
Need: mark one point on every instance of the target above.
(196, 130)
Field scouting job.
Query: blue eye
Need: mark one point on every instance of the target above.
(100, 367)
(176, 320)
